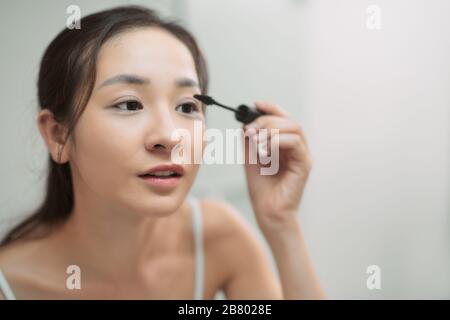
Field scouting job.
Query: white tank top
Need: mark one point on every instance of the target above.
(7, 292)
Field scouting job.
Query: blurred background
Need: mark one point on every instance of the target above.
(374, 103)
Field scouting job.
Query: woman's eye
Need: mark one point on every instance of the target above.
(188, 107)
(129, 105)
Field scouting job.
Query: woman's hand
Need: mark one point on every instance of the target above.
(276, 197)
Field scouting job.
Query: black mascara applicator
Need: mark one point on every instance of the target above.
(243, 113)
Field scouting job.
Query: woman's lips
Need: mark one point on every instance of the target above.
(161, 181)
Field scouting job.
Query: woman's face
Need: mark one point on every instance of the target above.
(116, 141)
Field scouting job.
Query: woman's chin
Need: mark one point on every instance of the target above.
(160, 206)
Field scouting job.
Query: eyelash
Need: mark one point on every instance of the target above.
(195, 107)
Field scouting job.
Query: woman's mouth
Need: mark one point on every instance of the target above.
(162, 178)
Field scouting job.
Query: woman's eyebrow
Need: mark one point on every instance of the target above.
(135, 79)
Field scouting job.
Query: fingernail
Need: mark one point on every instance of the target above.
(252, 125)
(262, 149)
(250, 131)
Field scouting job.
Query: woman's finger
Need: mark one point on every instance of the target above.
(283, 141)
(274, 122)
(271, 108)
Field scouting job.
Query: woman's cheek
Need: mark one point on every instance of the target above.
(102, 157)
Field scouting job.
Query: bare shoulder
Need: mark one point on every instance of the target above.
(221, 219)
(19, 263)
(15, 257)
(238, 253)
(10, 257)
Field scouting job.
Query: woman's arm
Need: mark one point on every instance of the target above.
(247, 264)
(237, 255)
(298, 278)
(276, 188)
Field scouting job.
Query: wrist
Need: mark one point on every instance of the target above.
(278, 229)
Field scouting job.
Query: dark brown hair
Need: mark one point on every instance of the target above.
(66, 78)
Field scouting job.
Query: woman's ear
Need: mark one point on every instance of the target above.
(53, 134)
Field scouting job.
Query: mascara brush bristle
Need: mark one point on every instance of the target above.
(205, 99)
(210, 101)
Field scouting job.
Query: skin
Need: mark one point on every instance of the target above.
(132, 241)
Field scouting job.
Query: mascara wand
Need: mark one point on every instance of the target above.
(243, 113)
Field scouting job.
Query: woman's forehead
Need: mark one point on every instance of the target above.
(149, 51)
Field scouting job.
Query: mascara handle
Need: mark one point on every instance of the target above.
(247, 114)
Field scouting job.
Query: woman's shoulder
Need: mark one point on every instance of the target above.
(18, 256)
(25, 265)
(16, 263)
(238, 253)
(11, 254)
(228, 234)
(222, 220)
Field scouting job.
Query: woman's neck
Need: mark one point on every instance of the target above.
(115, 245)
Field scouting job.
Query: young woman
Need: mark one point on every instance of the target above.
(111, 94)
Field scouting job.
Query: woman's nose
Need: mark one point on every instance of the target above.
(163, 133)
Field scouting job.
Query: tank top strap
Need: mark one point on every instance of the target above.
(198, 243)
(5, 288)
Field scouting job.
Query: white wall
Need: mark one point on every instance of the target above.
(379, 104)
(375, 108)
